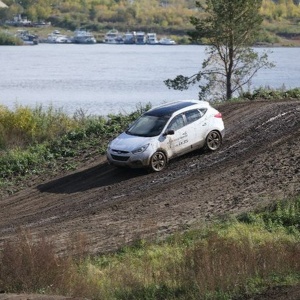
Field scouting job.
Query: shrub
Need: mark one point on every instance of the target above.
(272, 94)
(18, 162)
(30, 264)
(8, 39)
(33, 139)
(25, 126)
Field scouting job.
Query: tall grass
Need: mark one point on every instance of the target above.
(33, 266)
(32, 140)
(239, 257)
(24, 126)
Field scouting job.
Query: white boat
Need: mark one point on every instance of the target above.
(140, 38)
(113, 37)
(63, 39)
(129, 37)
(82, 36)
(27, 38)
(57, 38)
(166, 41)
(152, 39)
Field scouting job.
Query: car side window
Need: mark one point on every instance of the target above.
(203, 111)
(176, 123)
(193, 115)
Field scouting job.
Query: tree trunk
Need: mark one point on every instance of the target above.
(228, 87)
(229, 73)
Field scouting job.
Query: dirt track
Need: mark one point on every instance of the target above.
(259, 162)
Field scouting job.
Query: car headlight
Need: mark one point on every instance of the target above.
(140, 149)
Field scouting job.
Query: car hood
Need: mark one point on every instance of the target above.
(126, 142)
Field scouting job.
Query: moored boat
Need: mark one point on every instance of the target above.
(166, 41)
(57, 38)
(140, 38)
(27, 38)
(113, 37)
(129, 37)
(152, 39)
(82, 36)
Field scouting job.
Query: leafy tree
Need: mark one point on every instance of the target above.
(229, 28)
(93, 13)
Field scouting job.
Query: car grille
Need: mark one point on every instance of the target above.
(120, 158)
(119, 151)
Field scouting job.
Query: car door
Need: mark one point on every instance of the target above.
(179, 142)
(197, 125)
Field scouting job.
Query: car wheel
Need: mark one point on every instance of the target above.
(158, 161)
(213, 140)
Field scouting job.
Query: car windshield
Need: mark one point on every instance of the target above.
(148, 126)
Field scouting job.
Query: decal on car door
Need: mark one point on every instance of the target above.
(179, 141)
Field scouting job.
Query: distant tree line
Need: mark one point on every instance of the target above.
(280, 9)
(159, 15)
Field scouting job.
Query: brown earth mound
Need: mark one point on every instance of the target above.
(258, 163)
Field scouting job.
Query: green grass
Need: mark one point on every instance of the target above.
(267, 93)
(35, 140)
(238, 257)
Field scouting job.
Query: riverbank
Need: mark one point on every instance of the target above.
(281, 40)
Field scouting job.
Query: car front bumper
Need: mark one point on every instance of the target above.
(130, 160)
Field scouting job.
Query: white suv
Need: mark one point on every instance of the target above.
(165, 132)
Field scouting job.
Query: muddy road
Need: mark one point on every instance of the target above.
(259, 162)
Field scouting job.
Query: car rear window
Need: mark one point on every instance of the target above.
(192, 116)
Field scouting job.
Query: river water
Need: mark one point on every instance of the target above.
(102, 79)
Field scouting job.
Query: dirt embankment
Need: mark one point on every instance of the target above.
(258, 163)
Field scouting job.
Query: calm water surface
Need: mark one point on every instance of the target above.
(103, 79)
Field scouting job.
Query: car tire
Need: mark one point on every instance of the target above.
(213, 140)
(158, 161)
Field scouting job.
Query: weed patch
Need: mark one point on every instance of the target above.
(33, 141)
(239, 257)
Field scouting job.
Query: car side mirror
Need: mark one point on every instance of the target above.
(169, 132)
